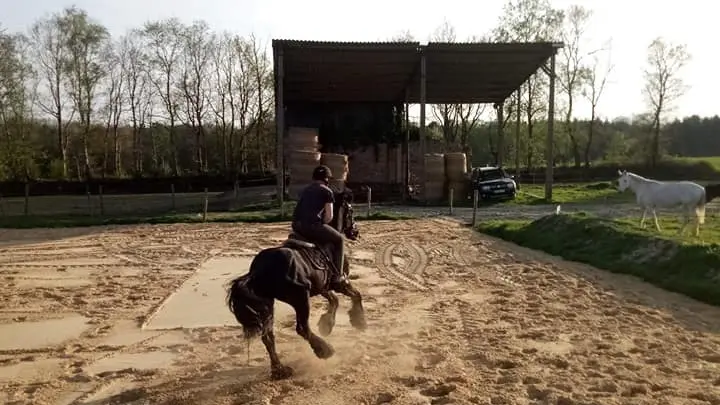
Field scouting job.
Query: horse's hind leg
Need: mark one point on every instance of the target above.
(278, 371)
(686, 220)
(327, 320)
(300, 301)
(657, 224)
(642, 218)
(357, 312)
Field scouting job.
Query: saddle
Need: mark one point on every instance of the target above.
(316, 256)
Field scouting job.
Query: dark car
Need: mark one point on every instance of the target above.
(493, 183)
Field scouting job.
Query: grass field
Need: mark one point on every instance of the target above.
(578, 193)
(713, 161)
(687, 264)
(259, 213)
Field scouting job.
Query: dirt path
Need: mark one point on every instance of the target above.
(454, 318)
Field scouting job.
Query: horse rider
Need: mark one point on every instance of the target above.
(312, 217)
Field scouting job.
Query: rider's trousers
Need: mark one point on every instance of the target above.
(325, 234)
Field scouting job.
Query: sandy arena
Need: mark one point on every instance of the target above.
(135, 315)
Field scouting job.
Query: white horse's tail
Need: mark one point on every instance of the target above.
(700, 209)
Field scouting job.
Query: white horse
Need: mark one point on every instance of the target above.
(652, 194)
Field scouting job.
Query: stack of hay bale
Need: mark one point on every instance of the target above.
(434, 177)
(456, 171)
(303, 157)
(338, 165)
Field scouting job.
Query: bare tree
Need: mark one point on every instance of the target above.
(261, 72)
(164, 49)
(528, 21)
(468, 116)
(598, 75)
(196, 54)
(137, 90)
(222, 102)
(116, 60)
(572, 72)
(403, 36)
(85, 42)
(48, 38)
(446, 114)
(16, 152)
(246, 93)
(663, 84)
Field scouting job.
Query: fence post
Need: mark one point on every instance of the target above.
(102, 201)
(2, 209)
(369, 201)
(205, 205)
(452, 195)
(236, 189)
(172, 193)
(89, 199)
(475, 206)
(26, 209)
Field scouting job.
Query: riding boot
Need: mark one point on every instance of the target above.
(340, 275)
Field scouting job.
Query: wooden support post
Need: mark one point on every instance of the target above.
(406, 152)
(369, 201)
(517, 136)
(423, 146)
(280, 128)
(172, 196)
(476, 195)
(452, 196)
(26, 208)
(102, 201)
(205, 205)
(549, 147)
(500, 111)
(89, 199)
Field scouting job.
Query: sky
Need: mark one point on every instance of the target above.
(631, 24)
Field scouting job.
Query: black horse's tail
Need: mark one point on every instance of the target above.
(251, 311)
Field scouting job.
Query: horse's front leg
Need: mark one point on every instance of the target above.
(327, 320)
(657, 224)
(686, 220)
(642, 218)
(300, 301)
(278, 371)
(357, 312)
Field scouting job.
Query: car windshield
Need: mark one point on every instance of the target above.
(492, 174)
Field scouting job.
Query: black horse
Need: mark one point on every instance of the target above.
(292, 273)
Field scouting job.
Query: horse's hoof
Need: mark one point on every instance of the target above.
(357, 320)
(325, 325)
(321, 348)
(281, 372)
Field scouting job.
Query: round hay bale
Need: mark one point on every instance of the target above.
(294, 190)
(455, 166)
(334, 159)
(303, 158)
(434, 167)
(337, 185)
(460, 189)
(310, 147)
(303, 136)
(434, 190)
(337, 163)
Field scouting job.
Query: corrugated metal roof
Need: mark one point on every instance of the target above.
(337, 45)
(367, 72)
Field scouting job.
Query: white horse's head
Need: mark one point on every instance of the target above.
(623, 181)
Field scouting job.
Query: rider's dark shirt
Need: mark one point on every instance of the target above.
(309, 210)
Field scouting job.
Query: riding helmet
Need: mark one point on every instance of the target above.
(322, 173)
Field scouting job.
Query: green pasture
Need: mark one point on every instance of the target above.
(685, 264)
